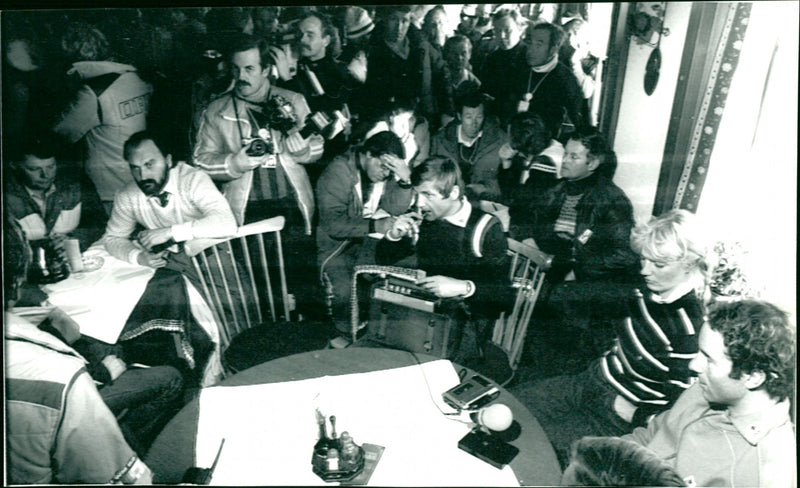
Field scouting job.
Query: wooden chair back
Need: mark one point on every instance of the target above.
(238, 278)
(528, 266)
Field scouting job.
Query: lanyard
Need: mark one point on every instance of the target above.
(236, 114)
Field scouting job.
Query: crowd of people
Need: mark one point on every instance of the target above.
(379, 134)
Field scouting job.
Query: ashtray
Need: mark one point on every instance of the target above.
(92, 263)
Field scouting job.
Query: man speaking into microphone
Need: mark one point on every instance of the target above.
(462, 249)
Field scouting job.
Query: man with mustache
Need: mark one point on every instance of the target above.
(325, 82)
(178, 209)
(259, 186)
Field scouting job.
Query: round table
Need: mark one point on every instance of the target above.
(173, 451)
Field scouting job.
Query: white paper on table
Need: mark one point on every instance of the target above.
(270, 430)
(110, 293)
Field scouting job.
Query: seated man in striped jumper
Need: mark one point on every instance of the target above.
(462, 249)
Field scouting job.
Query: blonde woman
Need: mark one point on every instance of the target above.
(647, 367)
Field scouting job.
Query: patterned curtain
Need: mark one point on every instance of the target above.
(704, 135)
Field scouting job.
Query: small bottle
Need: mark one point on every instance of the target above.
(321, 447)
(332, 462)
(349, 458)
(57, 264)
(334, 442)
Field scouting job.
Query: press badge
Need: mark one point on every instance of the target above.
(271, 162)
(584, 237)
(523, 105)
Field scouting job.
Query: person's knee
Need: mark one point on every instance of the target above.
(170, 379)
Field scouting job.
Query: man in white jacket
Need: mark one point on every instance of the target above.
(110, 105)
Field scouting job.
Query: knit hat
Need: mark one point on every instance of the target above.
(357, 23)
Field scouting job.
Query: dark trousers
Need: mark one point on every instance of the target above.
(573, 406)
(151, 396)
(582, 313)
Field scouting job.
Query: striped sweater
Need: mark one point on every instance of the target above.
(649, 362)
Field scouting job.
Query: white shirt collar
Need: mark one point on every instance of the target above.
(677, 292)
(461, 217)
(465, 141)
(36, 194)
(172, 184)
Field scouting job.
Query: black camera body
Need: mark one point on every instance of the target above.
(259, 147)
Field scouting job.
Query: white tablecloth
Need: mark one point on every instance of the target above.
(107, 294)
(270, 429)
(101, 301)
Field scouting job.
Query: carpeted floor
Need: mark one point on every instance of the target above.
(544, 354)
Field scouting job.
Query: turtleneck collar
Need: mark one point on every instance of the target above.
(546, 67)
(579, 187)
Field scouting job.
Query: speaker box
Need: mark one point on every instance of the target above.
(393, 324)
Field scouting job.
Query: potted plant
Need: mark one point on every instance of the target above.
(728, 279)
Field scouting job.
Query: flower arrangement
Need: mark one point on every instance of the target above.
(728, 278)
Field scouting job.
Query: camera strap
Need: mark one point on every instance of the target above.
(238, 124)
(254, 122)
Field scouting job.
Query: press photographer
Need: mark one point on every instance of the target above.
(260, 186)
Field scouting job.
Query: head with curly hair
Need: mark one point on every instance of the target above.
(84, 42)
(673, 251)
(612, 461)
(746, 348)
(529, 133)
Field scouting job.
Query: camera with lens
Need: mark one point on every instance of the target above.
(259, 147)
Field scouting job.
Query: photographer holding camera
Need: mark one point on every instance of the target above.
(258, 182)
(249, 143)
